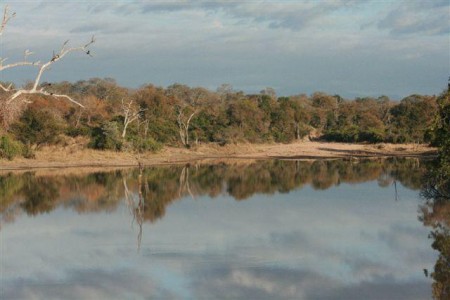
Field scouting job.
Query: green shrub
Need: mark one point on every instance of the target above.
(347, 135)
(9, 148)
(106, 137)
(143, 145)
(78, 131)
(37, 127)
(353, 134)
(371, 136)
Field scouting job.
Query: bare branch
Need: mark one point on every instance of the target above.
(41, 92)
(42, 67)
(6, 17)
(34, 90)
(57, 56)
(17, 64)
(6, 89)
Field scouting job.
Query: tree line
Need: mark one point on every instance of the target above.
(144, 119)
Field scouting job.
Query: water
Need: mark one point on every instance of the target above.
(261, 230)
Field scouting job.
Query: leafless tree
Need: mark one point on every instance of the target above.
(184, 120)
(130, 113)
(15, 94)
(190, 103)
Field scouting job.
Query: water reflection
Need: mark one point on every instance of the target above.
(297, 238)
(435, 213)
(157, 187)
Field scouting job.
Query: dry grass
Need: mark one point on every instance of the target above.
(74, 156)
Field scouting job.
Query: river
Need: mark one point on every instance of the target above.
(325, 229)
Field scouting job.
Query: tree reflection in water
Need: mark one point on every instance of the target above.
(148, 192)
(436, 214)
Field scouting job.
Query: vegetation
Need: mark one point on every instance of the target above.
(145, 119)
(436, 191)
(9, 148)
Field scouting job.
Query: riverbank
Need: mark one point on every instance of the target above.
(64, 157)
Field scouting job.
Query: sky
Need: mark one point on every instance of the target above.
(346, 47)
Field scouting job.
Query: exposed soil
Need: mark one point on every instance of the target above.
(73, 156)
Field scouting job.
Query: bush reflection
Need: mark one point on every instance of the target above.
(154, 188)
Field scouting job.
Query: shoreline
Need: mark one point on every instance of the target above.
(58, 157)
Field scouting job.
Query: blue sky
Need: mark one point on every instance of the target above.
(346, 47)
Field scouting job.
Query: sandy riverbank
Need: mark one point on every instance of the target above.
(59, 157)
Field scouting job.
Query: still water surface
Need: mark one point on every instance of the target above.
(264, 230)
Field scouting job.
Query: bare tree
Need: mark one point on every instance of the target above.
(184, 120)
(35, 87)
(190, 103)
(130, 113)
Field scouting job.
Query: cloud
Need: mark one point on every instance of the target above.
(257, 283)
(102, 28)
(418, 17)
(275, 14)
(88, 284)
(382, 289)
(273, 283)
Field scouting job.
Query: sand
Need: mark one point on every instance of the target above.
(68, 157)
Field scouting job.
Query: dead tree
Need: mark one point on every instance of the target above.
(7, 16)
(35, 88)
(131, 113)
(190, 103)
(184, 121)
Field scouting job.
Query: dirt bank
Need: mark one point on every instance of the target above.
(59, 157)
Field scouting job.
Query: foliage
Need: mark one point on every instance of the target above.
(106, 137)
(442, 129)
(411, 119)
(183, 115)
(77, 131)
(436, 192)
(353, 134)
(441, 274)
(10, 148)
(38, 127)
(141, 145)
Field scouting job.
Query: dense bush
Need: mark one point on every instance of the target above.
(106, 137)
(78, 131)
(146, 144)
(10, 148)
(38, 127)
(354, 135)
